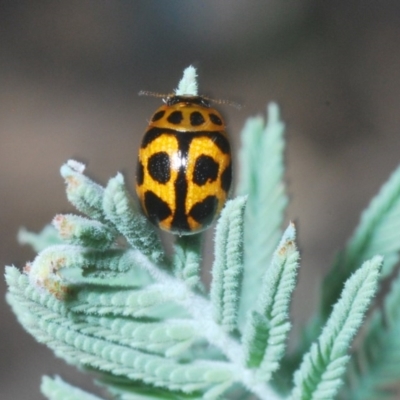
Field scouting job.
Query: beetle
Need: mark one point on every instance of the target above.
(184, 168)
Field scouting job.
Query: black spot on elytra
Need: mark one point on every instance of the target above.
(159, 167)
(175, 117)
(196, 118)
(158, 115)
(150, 135)
(226, 178)
(139, 173)
(205, 170)
(203, 212)
(157, 209)
(215, 119)
(221, 142)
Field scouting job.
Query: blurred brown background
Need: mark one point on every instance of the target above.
(69, 77)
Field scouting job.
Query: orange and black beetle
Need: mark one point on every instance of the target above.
(184, 169)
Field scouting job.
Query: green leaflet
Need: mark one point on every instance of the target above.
(121, 211)
(375, 362)
(321, 372)
(20, 287)
(82, 192)
(58, 267)
(267, 325)
(148, 302)
(188, 84)
(128, 391)
(39, 241)
(262, 166)
(170, 337)
(81, 231)
(70, 256)
(57, 389)
(66, 338)
(378, 233)
(149, 392)
(228, 264)
(187, 258)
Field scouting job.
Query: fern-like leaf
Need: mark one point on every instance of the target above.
(57, 267)
(39, 241)
(376, 360)
(57, 389)
(262, 165)
(128, 391)
(188, 84)
(321, 372)
(147, 302)
(120, 209)
(378, 233)
(67, 339)
(187, 258)
(81, 231)
(228, 264)
(170, 338)
(82, 192)
(268, 324)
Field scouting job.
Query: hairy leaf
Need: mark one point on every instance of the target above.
(187, 259)
(170, 337)
(268, 324)
(82, 192)
(65, 337)
(57, 267)
(321, 372)
(262, 165)
(377, 233)
(122, 212)
(39, 241)
(81, 231)
(228, 264)
(375, 362)
(148, 302)
(57, 389)
(188, 84)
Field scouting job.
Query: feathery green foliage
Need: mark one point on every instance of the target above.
(228, 264)
(120, 209)
(74, 229)
(73, 340)
(187, 259)
(82, 192)
(320, 373)
(268, 323)
(39, 241)
(377, 233)
(55, 389)
(376, 361)
(104, 296)
(261, 178)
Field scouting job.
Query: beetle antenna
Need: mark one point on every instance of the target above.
(225, 102)
(153, 94)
